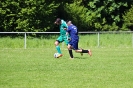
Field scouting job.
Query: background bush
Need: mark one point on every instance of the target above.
(88, 15)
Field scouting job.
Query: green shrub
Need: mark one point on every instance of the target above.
(128, 19)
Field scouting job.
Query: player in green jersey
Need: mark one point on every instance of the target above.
(63, 37)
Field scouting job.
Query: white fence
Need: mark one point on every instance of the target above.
(98, 34)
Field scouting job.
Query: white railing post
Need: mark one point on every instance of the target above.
(25, 40)
(98, 40)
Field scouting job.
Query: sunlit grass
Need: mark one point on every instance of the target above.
(37, 68)
(85, 41)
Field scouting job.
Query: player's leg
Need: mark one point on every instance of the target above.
(69, 46)
(70, 50)
(81, 53)
(59, 40)
(75, 46)
(84, 51)
(57, 46)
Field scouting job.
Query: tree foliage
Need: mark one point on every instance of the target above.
(97, 15)
(77, 13)
(27, 15)
(128, 19)
(88, 15)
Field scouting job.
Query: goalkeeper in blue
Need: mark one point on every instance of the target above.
(74, 39)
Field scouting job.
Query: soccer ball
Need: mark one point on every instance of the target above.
(55, 55)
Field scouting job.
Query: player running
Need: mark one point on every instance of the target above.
(73, 43)
(63, 37)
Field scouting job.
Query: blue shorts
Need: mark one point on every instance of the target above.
(74, 44)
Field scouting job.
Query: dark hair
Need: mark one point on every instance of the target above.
(68, 21)
(58, 20)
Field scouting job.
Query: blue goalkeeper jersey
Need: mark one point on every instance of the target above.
(73, 32)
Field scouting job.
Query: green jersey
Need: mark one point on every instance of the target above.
(62, 26)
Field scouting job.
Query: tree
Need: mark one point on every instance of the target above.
(27, 15)
(77, 13)
(128, 19)
(88, 15)
(105, 14)
(97, 15)
(8, 15)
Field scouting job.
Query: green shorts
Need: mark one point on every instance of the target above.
(62, 39)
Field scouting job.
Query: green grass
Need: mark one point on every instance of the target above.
(107, 40)
(86, 41)
(36, 68)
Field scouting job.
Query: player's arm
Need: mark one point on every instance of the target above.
(65, 25)
(68, 35)
(65, 28)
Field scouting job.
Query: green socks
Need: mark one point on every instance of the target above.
(58, 49)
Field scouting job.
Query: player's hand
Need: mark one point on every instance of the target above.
(65, 28)
(66, 33)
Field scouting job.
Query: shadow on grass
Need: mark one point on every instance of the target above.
(80, 58)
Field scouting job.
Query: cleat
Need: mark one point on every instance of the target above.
(71, 58)
(59, 55)
(89, 52)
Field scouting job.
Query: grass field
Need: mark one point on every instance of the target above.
(36, 68)
(88, 40)
(109, 67)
